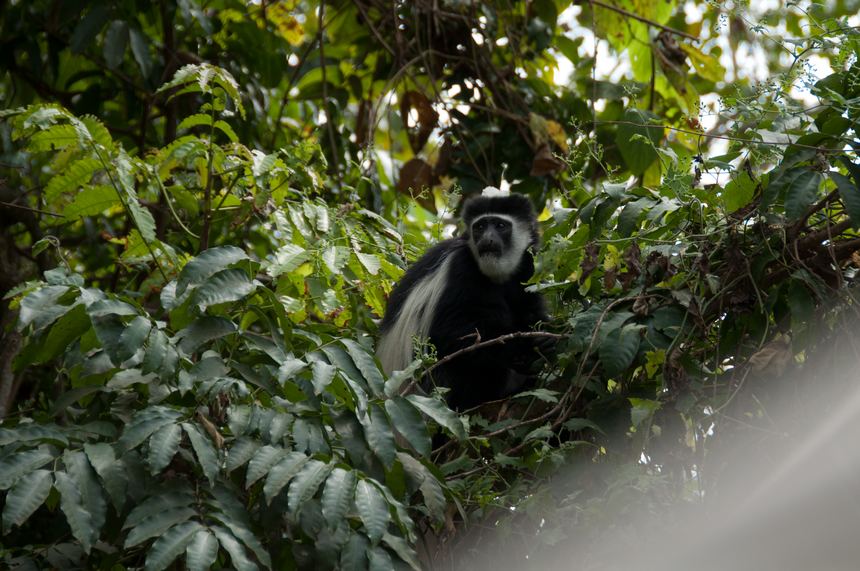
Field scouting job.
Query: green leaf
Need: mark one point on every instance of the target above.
(738, 192)
(403, 550)
(262, 462)
(112, 472)
(206, 264)
(243, 449)
(140, 49)
(25, 497)
(78, 518)
(163, 445)
(72, 177)
(170, 545)
(377, 431)
(305, 484)
(366, 364)
(41, 307)
(431, 489)
(642, 410)
(380, 560)
(628, 218)
(17, 465)
(174, 497)
(115, 43)
(850, 194)
(439, 411)
(801, 192)
(204, 330)
(67, 329)
(232, 546)
(202, 551)
(205, 451)
(227, 285)
(337, 495)
(91, 201)
(323, 374)
(372, 509)
(619, 348)
(157, 524)
(31, 432)
(286, 259)
(132, 337)
(232, 512)
(86, 30)
(638, 154)
(145, 423)
(281, 474)
(84, 477)
(354, 554)
(409, 422)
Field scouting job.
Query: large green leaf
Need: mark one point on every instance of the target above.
(305, 484)
(157, 524)
(282, 472)
(337, 495)
(21, 464)
(379, 435)
(366, 365)
(438, 411)
(850, 194)
(171, 545)
(205, 451)
(84, 477)
(637, 140)
(801, 191)
(73, 176)
(204, 330)
(372, 509)
(79, 519)
(163, 445)
(409, 422)
(206, 264)
(262, 462)
(25, 497)
(146, 422)
(619, 347)
(227, 285)
(236, 550)
(202, 551)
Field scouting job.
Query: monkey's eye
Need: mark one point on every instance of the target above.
(479, 225)
(501, 225)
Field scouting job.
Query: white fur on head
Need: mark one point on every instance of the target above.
(413, 320)
(500, 269)
(492, 192)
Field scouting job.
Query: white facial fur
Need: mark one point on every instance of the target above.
(499, 269)
(414, 320)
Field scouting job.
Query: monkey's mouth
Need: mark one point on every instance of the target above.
(493, 251)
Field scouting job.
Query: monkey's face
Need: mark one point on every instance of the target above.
(498, 242)
(491, 236)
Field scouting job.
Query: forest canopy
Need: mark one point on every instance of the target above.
(205, 206)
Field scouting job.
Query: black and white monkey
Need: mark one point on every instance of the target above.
(468, 285)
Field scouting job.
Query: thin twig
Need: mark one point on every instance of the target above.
(500, 340)
(36, 210)
(643, 19)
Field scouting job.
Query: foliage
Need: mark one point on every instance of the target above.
(193, 381)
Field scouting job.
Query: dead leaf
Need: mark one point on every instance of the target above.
(425, 119)
(417, 180)
(545, 163)
(774, 357)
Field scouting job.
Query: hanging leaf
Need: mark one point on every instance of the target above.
(202, 551)
(306, 483)
(170, 545)
(372, 509)
(25, 497)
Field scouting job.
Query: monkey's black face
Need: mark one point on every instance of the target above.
(492, 235)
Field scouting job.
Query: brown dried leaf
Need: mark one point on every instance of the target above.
(416, 180)
(545, 163)
(427, 118)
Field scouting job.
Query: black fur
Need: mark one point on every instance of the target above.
(471, 303)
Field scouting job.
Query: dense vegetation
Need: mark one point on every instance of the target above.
(205, 204)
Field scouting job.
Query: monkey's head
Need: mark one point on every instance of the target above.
(500, 229)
